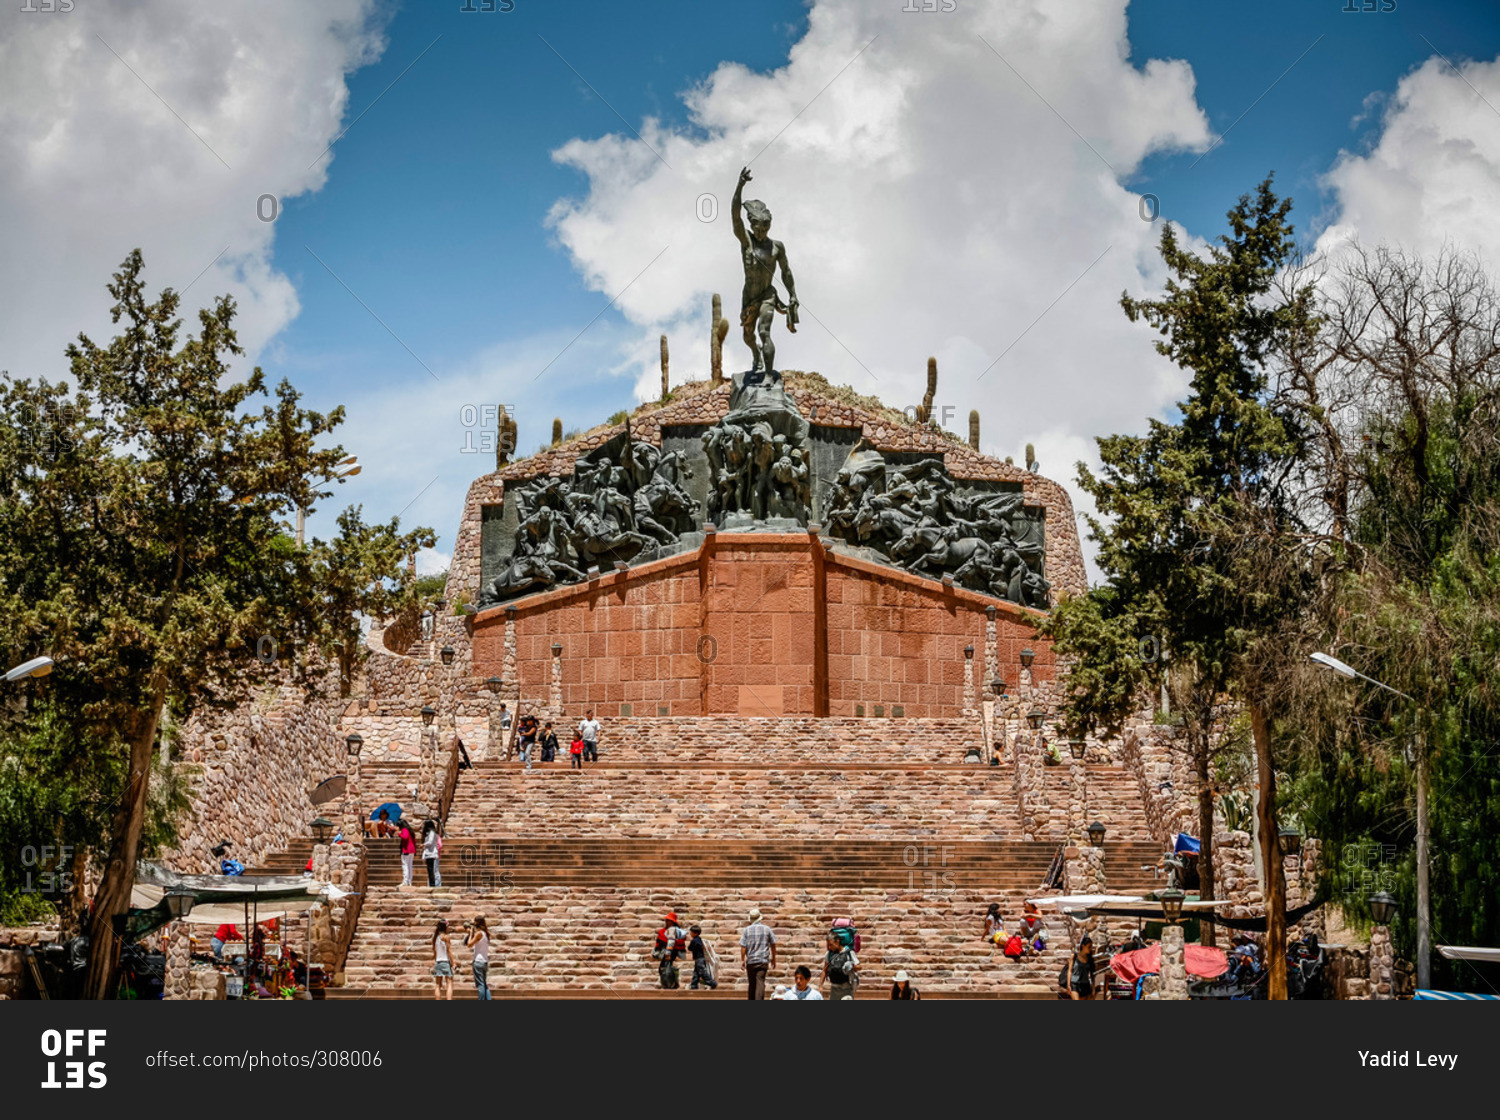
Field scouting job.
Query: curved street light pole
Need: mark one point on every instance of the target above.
(1424, 907)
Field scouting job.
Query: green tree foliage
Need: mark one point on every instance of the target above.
(1178, 505)
(1414, 346)
(142, 547)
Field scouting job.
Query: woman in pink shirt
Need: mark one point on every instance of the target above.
(408, 850)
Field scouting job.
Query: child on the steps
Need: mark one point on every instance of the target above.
(576, 752)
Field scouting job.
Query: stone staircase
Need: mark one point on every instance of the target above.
(807, 819)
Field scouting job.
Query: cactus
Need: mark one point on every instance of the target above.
(505, 442)
(718, 330)
(556, 430)
(924, 414)
(974, 428)
(1010, 461)
(1031, 463)
(666, 389)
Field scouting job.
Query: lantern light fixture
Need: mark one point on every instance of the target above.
(1171, 905)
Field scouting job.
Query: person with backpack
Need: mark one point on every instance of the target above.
(702, 967)
(839, 967)
(670, 941)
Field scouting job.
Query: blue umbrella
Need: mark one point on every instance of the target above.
(393, 809)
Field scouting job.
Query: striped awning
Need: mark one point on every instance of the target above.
(1428, 993)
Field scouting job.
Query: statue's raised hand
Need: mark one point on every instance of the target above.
(745, 176)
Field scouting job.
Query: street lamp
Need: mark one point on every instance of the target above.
(322, 827)
(179, 902)
(556, 649)
(1035, 718)
(447, 655)
(354, 741)
(968, 653)
(997, 686)
(1171, 905)
(1382, 908)
(427, 713)
(1096, 836)
(494, 684)
(1290, 841)
(1424, 899)
(1077, 747)
(1027, 656)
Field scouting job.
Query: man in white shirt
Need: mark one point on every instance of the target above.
(803, 988)
(588, 731)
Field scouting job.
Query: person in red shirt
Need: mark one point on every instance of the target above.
(408, 850)
(225, 932)
(576, 750)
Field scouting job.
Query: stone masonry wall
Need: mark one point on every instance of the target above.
(251, 770)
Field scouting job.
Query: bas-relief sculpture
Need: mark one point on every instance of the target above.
(918, 517)
(610, 510)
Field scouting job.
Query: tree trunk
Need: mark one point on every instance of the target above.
(1270, 851)
(1205, 832)
(113, 896)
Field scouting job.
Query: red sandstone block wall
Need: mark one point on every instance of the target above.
(758, 625)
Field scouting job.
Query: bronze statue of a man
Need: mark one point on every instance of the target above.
(761, 301)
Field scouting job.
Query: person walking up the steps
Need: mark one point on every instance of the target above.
(839, 966)
(670, 943)
(442, 962)
(588, 731)
(757, 954)
(432, 844)
(702, 968)
(478, 939)
(526, 737)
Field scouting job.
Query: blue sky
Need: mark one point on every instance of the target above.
(962, 184)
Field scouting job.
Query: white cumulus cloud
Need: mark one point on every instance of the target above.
(954, 190)
(158, 124)
(1433, 174)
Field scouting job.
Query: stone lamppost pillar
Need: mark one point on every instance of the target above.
(179, 974)
(991, 644)
(354, 813)
(1077, 805)
(425, 781)
(1382, 964)
(510, 666)
(555, 700)
(1174, 982)
(969, 698)
(492, 747)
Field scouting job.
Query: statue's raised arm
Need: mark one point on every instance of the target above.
(734, 206)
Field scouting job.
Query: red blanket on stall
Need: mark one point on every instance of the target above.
(1202, 960)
